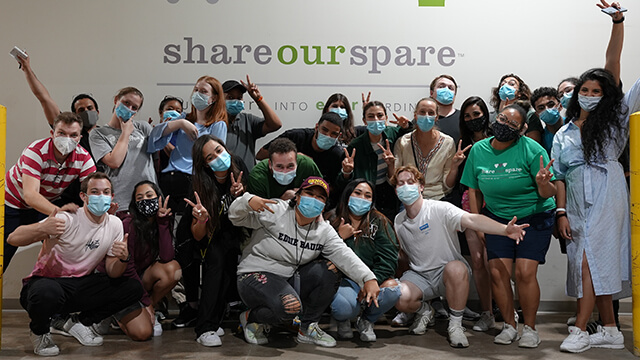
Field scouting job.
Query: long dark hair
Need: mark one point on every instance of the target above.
(204, 180)
(466, 135)
(146, 231)
(348, 129)
(523, 94)
(598, 128)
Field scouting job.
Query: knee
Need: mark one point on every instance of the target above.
(344, 309)
(140, 333)
(172, 272)
(524, 276)
(290, 307)
(456, 271)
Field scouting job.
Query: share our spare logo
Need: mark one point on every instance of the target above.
(420, 2)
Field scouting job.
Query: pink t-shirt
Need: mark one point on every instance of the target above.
(80, 248)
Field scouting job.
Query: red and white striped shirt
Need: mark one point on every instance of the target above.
(38, 160)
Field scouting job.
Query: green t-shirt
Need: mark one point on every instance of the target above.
(507, 178)
(262, 183)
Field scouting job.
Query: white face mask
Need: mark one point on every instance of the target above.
(64, 144)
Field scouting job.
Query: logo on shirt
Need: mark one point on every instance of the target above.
(500, 165)
(303, 244)
(424, 228)
(92, 244)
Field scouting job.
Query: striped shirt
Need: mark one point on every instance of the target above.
(381, 169)
(38, 160)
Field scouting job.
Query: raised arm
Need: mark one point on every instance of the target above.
(271, 120)
(614, 49)
(50, 108)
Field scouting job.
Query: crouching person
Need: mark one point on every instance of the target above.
(63, 279)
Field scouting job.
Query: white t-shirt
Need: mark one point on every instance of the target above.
(81, 247)
(430, 240)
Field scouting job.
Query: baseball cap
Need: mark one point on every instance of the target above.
(315, 181)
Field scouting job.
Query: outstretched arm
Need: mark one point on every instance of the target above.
(614, 49)
(50, 108)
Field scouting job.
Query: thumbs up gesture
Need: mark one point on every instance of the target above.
(52, 225)
(120, 249)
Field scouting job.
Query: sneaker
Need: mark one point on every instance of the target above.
(572, 320)
(605, 338)
(315, 335)
(486, 322)
(102, 328)
(457, 338)
(57, 325)
(253, 332)
(157, 327)
(209, 338)
(43, 345)
(421, 321)
(186, 318)
(439, 311)
(529, 338)
(365, 328)
(402, 319)
(577, 341)
(470, 315)
(82, 333)
(344, 329)
(508, 335)
(220, 331)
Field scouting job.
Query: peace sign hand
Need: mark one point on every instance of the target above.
(259, 204)
(366, 101)
(459, 157)
(348, 162)
(164, 209)
(387, 155)
(198, 212)
(252, 89)
(347, 230)
(401, 121)
(616, 5)
(544, 175)
(236, 186)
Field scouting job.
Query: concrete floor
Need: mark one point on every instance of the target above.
(393, 343)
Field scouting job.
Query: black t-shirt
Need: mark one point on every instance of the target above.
(450, 125)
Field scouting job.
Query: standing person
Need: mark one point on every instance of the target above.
(120, 147)
(444, 90)
(208, 116)
(370, 235)
(510, 173)
(245, 128)
(43, 171)
(339, 104)
(548, 107)
(63, 279)
(171, 108)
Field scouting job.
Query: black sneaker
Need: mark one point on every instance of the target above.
(186, 318)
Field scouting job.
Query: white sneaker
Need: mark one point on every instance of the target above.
(315, 335)
(253, 332)
(43, 345)
(402, 319)
(457, 338)
(365, 328)
(157, 327)
(344, 329)
(529, 338)
(57, 326)
(421, 321)
(487, 321)
(220, 331)
(82, 333)
(209, 338)
(577, 341)
(508, 335)
(608, 338)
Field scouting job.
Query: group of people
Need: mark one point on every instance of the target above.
(354, 219)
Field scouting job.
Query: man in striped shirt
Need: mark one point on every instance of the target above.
(44, 170)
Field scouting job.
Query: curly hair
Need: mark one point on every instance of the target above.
(523, 93)
(602, 122)
(542, 92)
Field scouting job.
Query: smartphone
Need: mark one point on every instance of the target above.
(16, 51)
(611, 10)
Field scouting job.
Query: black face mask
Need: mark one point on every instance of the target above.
(503, 132)
(148, 207)
(89, 119)
(477, 124)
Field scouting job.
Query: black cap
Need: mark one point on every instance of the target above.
(232, 84)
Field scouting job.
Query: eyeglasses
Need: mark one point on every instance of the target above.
(503, 119)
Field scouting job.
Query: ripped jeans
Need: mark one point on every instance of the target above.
(345, 305)
(273, 300)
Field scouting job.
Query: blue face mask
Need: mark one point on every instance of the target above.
(99, 204)
(310, 207)
(408, 193)
(589, 103)
(221, 163)
(170, 115)
(284, 178)
(507, 92)
(445, 96)
(376, 127)
(325, 142)
(234, 107)
(200, 101)
(550, 116)
(124, 112)
(425, 122)
(565, 99)
(340, 111)
(359, 206)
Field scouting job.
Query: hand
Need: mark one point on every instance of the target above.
(120, 249)
(347, 230)
(259, 204)
(113, 208)
(459, 157)
(236, 186)
(348, 162)
(252, 89)
(366, 101)
(127, 127)
(150, 120)
(289, 194)
(24, 64)
(164, 209)
(387, 155)
(369, 292)
(544, 175)
(564, 227)
(70, 207)
(198, 212)
(401, 121)
(617, 15)
(189, 129)
(515, 232)
(52, 225)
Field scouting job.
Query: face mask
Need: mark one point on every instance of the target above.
(310, 207)
(99, 204)
(89, 118)
(234, 107)
(325, 142)
(408, 193)
(359, 206)
(148, 207)
(200, 101)
(589, 103)
(340, 111)
(64, 144)
(376, 127)
(444, 96)
(504, 132)
(565, 99)
(425, 122)
(476, 125)
(170, 115)
(221, 163)
(507, 92)
(124, 112)
(284, 178)
(550, 116)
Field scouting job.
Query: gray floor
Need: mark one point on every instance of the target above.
(393, 343)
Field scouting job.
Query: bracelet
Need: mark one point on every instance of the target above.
(203, 222)
(560, 215)
(618, 21)
(127, 259)
(260, 98)
(561, 209)
(347, 173)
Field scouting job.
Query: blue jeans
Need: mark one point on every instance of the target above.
(345, 303)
